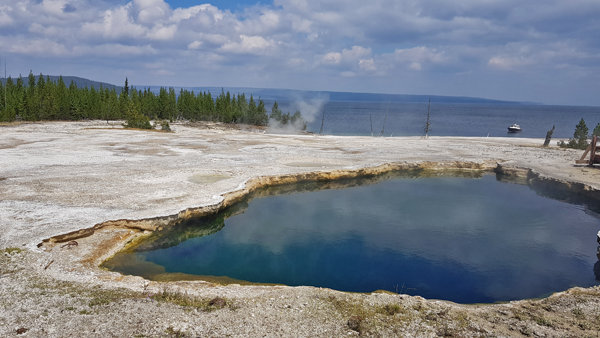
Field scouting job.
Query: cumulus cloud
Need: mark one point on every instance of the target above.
(249, 45)
(507, 63)
(5, 18)
(115, 24)
(114, 50)
(295, 43)
(367, 64)
(415, 57)
(39, 47)
(160, 32)
(149, 11)
(332, 58)
(195, 44)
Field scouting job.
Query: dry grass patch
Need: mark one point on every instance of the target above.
(189, 301)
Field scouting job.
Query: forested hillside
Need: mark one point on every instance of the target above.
(79, 82)
(41, 98)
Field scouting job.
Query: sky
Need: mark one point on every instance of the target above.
(545, 51)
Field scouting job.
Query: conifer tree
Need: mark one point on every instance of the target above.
(580, 136)
(135, 119)
(62, 100)
(261, 118)
(126, 87)
(275, 112)
(297, 121)
(596, 131)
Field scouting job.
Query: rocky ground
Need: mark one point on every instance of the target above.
(59, 178)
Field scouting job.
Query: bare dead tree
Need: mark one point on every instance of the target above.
(427, 127)
(549, 136)
(322, 121)
(384, 120)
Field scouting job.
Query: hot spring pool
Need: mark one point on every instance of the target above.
(463, 239)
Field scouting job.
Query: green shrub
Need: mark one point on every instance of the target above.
(135, 119)
(139, 122)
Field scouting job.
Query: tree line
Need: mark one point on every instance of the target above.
(38, 99)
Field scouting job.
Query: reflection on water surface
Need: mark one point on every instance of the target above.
(456, 238)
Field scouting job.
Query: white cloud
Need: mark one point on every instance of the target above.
(54, 7)
(415, 66)
(415, 57)
(249, 45)
(269, 19)
(356, 52)
(115, 24)
(216, 39)
(114, 50)
(195, 45)
(150, 11)
(164, 72)
(301, 25)
(5, 18)
(39, 47)
(332, 58)
(159, 32)
(41, 30)
(349, 57)
(508, 63)
(367, 65)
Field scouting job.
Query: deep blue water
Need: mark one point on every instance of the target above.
(459, 239)
(448, 119)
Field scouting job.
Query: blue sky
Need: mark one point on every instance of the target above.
(537, 50)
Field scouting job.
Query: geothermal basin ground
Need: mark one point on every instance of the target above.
(104, 187)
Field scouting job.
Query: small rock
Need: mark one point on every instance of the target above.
(354, 322)
(21, 330)
(217, 302)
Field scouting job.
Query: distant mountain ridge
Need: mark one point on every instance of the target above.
(270, 94)
(79, 82)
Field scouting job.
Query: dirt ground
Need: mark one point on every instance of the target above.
(103, 186)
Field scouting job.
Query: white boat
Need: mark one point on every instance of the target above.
(515, 128)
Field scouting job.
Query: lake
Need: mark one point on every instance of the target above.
(446, 119)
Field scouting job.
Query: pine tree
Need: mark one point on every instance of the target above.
(126, 87)
(297, 121)
(249, 118)
(172, 105)
(261, 118)
(275, 112)
(31, 99)
(596, 131)
(62, 101)
(580, 136)
(124, 101)
(135, 119)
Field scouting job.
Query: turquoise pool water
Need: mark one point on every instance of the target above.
(462, 239)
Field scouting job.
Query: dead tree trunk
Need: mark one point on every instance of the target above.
(549, 136)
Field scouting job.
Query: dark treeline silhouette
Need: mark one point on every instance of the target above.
(37, 99)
